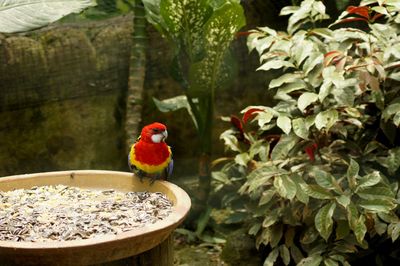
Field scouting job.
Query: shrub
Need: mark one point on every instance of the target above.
(318, 169)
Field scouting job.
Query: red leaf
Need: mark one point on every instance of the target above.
(239, 126)
(330, 56)
(250, 114)
(310, 150)
(315, 146)
(310, 153)
(237, 123)
(362, 11)
(243, 33)
(352, 20)
(376, 16)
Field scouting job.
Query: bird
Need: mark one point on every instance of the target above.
(150, 156)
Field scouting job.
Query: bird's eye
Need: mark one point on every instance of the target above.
(155, 130)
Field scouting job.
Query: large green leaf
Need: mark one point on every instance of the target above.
(369, 180)
(173, 104)
(323, 220)
(317, 192)
(324, 179)
(271, 258)
(392, 161)
(285, 186)
(352, 173)
(275, 64)
(285, 78)
(218, 32)
(185, 20)
(306, 99)
(24, 15)
(300, 128)
(284, 123)
(377, 205)
(313, 260)
(284, 146)
(300, 194)
(326, 119)
(360, 229)
(394, 231)
(376, 192)
(390, 111)
(153, 15)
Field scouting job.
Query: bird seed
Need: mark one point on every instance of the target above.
(62, 213)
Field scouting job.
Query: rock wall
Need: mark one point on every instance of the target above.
(62, 92)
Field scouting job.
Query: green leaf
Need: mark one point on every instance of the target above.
(306, 99)
(352, 215)
(390, 111)
(219, 31)
(342, 229)
(276, 234)
(377, 205)
(272, 256)
(242, 158)
(266, 171)
(285, 78)
(296, 254)
(264, 118)
(326, 119)
(230, 141)
(254, 229)
(369, 180)
(330, 262)
(393, 160)
(186, 18)
(271, 218)
(323, 32)
(313, 260)
(317, 192)
(285, 254)
(379, 226)
(24, 15)
(352, 173)
(315, 59)
(323, 220)
(173, 104)
(153, 15)
(287, 10)
(284, 146)
(325, 90)
(275, 64)
(360, 229)
(376, 192)
(300, 128)
(300, 194)
(236, 217)
(284, 123)
(260, 177)
(285, 186)
(323, 178)
(389, 217)
(343, 200)
(394, 231)
(266, 197)
(310, 235)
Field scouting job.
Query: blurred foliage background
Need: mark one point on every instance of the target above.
(257, 212)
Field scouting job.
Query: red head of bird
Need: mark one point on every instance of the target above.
(154, 133)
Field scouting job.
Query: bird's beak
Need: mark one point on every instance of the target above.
(165, 134)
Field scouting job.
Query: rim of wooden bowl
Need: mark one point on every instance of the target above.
(181, 206)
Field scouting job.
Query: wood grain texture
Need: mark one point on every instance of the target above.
(102, 249)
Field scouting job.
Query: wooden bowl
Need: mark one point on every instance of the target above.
(101, 249)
